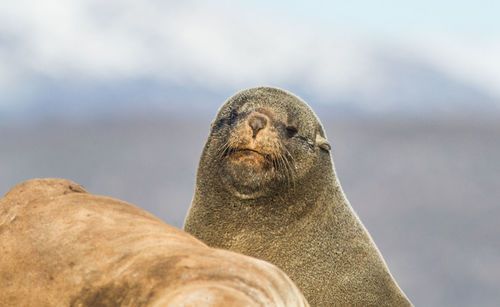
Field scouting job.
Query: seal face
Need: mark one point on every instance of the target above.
(261, 144)
(266, 187)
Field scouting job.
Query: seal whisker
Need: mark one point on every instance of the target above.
(284, 167)
(290, 163)
(281, 165)
(288, 173)
(222, 151)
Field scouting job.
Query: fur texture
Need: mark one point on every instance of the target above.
(61, 246)
(266, 187)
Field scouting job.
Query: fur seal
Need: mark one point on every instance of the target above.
(266, 187)
(61, 246)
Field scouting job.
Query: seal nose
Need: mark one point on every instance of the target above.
(257, 122)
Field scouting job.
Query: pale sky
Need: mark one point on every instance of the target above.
(332, 49)
(397, 17)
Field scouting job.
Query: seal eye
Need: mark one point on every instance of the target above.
(233, 116)
(291, 131)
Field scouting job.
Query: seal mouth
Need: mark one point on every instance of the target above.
(249, 156)
(246, 152)
(253, 158)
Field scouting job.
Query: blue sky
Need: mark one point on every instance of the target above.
(395, 18)
(372, 55)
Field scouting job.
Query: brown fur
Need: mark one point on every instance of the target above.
(266, 187)
(61, 246)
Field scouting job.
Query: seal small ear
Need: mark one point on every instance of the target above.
(322, 143)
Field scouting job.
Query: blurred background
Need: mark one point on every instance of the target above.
(118, 96)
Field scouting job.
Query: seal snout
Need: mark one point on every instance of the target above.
(257, 121)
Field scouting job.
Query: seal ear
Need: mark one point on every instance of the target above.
(322, 143)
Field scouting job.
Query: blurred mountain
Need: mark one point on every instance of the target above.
(405, 87)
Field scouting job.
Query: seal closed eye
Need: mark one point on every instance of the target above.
(266, 187)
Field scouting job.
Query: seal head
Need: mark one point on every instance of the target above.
(261, 144)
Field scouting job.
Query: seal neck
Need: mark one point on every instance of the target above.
(311, 196)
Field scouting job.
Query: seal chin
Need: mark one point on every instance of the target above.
(247, 174)
(245, 190)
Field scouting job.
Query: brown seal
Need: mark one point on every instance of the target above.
(61, 246)
(266, 187)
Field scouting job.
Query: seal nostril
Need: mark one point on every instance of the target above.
(257, 123)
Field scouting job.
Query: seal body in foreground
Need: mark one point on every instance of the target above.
(61, 246)
(266, 187)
